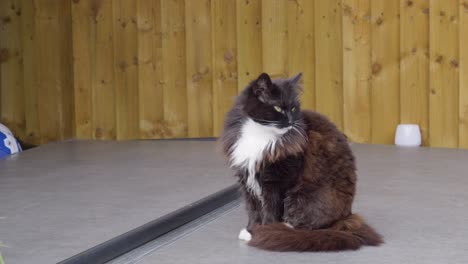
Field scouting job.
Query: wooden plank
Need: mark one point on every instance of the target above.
(385, 70)
(329, 60)
(199, 68)
(67, 119)
(30, 78)
(223, 14)
(53, 68)
(125, 69)
(174, 81)
(83, 66)
(150, 69)
(0, 93)
(104, 107)
(65, 71)
(249, 41)
(463, 108)
(414, 66)
(274, 37)
(11, 67)
(444, 61)
(301, 47)
(357, 70)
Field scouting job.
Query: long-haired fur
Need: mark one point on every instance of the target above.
(300, 192)
(347, 234)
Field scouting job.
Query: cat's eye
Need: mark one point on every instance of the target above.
(293, 109)
(277, 108)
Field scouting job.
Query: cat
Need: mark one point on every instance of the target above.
(296, 171)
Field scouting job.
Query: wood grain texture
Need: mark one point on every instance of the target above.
(444, 62)
(0, 94)
(126, 69)
(199, 68)
(118, 69)
(30, 78)
(249, 41)
(329, 60)
(414, 65)
(224, 45)
(357, 70)
(174, 76)
(104, 94)
(150, 96)
(65, 72)
(274, 37)
(385, 70)
(53, 68)
(83, 62)
(11, 67)
(463, 104)
(301, 47)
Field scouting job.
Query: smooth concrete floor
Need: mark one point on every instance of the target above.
(63, 198)
(417, 198)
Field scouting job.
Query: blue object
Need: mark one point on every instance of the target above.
(8, 143)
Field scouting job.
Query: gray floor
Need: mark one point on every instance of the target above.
(63, 198)
(417, 198)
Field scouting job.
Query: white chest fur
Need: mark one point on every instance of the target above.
(254, 140)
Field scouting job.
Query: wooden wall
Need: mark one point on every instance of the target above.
(36, 83)
(120, 69)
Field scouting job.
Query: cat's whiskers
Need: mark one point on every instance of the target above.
(299, 129)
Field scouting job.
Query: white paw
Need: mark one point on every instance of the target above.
(245, 235)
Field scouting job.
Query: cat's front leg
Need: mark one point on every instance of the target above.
(254, 210)
(254, 213)
(272, 209)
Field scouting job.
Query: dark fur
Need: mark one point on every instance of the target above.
(308, 182)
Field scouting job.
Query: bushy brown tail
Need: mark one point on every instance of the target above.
(348, 234)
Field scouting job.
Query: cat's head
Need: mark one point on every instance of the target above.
(274, 102)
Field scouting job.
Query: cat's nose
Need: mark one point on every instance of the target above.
(290, 119)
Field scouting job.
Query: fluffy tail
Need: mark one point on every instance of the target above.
(348, 234)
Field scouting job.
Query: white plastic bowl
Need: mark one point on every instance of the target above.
(408, 135)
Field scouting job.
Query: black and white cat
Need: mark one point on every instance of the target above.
(296, 170)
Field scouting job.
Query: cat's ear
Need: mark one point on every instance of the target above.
(295, 82)
(295, 79)
(262, 86)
